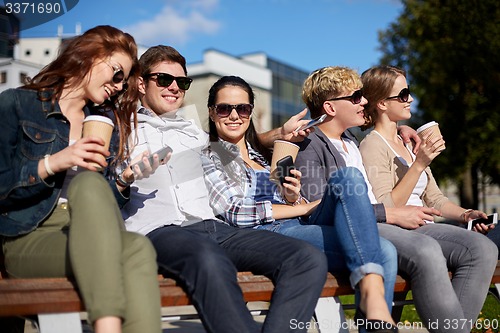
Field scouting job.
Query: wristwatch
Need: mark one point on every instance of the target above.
(122, 182)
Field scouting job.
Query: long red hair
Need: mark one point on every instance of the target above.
(75, 60)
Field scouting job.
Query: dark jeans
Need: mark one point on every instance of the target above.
(206, 256)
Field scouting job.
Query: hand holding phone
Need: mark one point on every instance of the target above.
(311, 123)
(284, 167)
(492, 219)
(162, 154)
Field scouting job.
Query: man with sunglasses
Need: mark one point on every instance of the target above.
(335, 91)
(195, 247)
(332, 142)
(332, 146)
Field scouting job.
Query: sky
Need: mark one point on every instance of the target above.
(307, 34)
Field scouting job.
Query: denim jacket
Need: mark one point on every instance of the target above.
(32, 129)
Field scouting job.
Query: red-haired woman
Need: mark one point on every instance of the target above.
(58, 217)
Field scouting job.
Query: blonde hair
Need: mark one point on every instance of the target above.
(377, 85)
(326, 83)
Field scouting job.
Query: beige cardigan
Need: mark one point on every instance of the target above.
(385, 170)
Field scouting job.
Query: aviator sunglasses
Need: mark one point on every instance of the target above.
(224, 110)
(355, 98)
(403, 95)
(165, 80)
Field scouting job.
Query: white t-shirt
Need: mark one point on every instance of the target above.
(352, 158)
(419, 188)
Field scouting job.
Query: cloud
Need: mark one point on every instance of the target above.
(176, 25)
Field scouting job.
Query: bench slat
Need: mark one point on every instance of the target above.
(21, 297)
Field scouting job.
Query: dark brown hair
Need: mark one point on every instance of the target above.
(160, 53)
(251, 133)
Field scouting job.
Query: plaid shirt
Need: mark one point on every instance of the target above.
(229, 182)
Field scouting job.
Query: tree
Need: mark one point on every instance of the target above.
(451, 52)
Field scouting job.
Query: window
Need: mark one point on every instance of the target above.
(23, 77)
(3, 77)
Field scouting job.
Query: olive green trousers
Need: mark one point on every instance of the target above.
(115, 270)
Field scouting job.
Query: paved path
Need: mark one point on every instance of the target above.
(175, 325)
(195, 326)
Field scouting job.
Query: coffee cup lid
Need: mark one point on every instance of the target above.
(426, 126)
(99, 118)
(287, 142)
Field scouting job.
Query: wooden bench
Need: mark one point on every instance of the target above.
(57, 303)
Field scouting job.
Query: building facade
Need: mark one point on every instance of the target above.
(14, 73)
(277, 86)
(286, 89)
(216, 64)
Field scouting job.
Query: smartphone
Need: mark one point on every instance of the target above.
(284, 167)
(162, 154)
(492, 219)
(311, 123)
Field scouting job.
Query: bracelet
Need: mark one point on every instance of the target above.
(47, 166)
(297, 202)
(122, 182)
(463, 215)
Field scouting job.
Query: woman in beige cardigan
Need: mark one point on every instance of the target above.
(399, 178)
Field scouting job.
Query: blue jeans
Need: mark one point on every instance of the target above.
(205, 257)
(344, 227)
(426, 254)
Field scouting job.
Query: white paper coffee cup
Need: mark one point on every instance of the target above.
(282, 149)
(429, 131)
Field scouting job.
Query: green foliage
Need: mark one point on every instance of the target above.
(451, 52)
(489, 317)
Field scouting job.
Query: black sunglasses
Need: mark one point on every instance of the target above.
(403, 95)
(165, 80)
(355, 98)
(224, 110)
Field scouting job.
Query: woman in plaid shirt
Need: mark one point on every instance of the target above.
(342, 224)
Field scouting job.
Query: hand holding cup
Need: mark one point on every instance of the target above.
(432, 143)
(100, 127)
(430, 133)
(281, 149)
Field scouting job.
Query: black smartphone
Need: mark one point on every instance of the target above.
(162, 154)
(283, 168)
(492, 219)
(312, 123)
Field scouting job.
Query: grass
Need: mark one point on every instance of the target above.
(487, 322)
